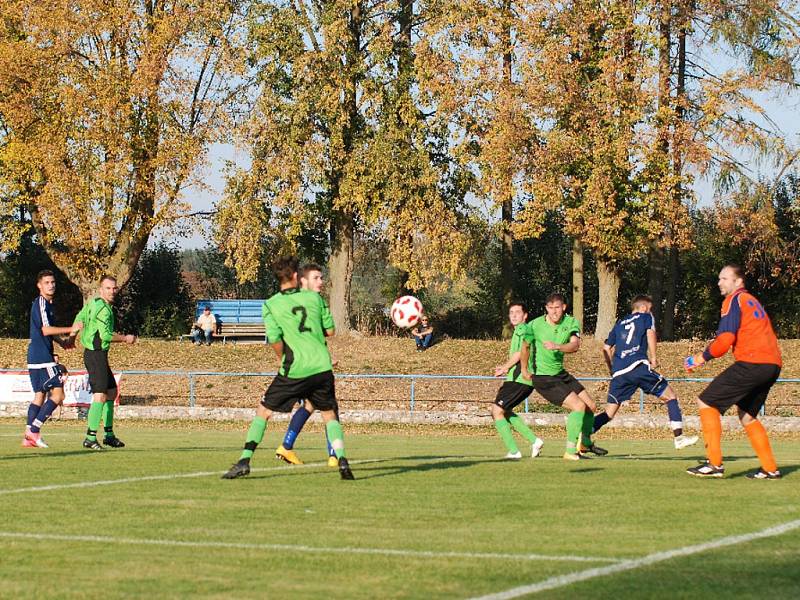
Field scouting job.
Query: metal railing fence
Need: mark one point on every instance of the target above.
(412, 378)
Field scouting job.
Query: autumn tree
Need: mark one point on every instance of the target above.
(714, 59)
(339, 145)
(107, 110)
(471, 75)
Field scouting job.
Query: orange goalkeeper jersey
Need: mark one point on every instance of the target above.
(746, 327)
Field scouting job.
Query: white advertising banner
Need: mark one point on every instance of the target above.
(15, 386)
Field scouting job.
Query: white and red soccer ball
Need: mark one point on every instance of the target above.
(406, 311)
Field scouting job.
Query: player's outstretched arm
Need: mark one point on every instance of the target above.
(573, 345)
(501, 370)
(124, 338)
(524, 357)
(608, 353)
(652, 341)
(277, 347)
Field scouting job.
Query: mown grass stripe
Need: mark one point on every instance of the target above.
(628, 565)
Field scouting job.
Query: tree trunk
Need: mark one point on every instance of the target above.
(673, 259)
(608, 283)
(577, 281)
(405, 80)
(342, 223)
(507, 200)
(655, 285)
(340, 267)
(668, 330)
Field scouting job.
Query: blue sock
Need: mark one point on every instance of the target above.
(33, 411)
(599, 421)
(44, 413)
(675, 417)
(299, 419)
(331, 451)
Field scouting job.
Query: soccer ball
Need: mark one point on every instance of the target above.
(406, 311)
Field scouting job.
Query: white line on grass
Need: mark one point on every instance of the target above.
(628, 565)
(295, 548)
(86, 484)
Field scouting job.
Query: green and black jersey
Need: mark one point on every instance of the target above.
(299, 318)
(521, 331)
(98, 324)
(540, 330)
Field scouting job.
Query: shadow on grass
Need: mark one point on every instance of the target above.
(785, 471)
(45, 455)
(697, 457)
(370, 469)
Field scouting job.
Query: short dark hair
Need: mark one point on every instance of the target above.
(108, 277)
(555, 296)
(519, 303)
(640, 299)
(207, 307)
(284, 267)
(737, 269)
(44, 273)
(308, 267)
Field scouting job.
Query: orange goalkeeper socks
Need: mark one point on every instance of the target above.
(711, 422)
(760, 443)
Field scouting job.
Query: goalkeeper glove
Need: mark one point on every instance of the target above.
(691, 363)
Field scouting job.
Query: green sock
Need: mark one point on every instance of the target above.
(336, 437)
(254, 436)
(93, 420)
(504, 429)
(574, 426)
(108, 418)
(519, 425)
(588, 426)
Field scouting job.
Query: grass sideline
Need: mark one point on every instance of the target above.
(428, 517)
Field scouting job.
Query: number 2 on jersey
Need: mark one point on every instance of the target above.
(303, 316)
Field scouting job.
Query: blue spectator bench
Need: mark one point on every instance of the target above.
(235, 318)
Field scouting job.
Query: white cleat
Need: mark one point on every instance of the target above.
(513, 455)
(682, 441)
(36, 438)
(536, 447)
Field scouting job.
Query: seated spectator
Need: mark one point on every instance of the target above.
(423, 334)
(205, 327)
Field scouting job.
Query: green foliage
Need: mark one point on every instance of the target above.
(18, 270)
(156, 302)
(218, 280)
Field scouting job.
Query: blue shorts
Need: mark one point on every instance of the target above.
(45, 379)
(623, 386)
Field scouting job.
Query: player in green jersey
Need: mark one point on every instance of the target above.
(296, 323)
(552, 335)
(311, 278)
(514, 390)
(96, 337)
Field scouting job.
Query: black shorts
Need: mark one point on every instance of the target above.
(744, 384)
(283, 393)
(101, 379)
(556, 388)
(511, 394)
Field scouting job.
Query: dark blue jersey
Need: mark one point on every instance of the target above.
(629, 338)
(40, 350)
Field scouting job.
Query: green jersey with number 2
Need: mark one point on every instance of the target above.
(299, 318)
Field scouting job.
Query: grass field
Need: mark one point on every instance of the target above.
(429, 516)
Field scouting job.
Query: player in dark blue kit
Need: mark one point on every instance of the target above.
(45, 372)
(630, 353)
